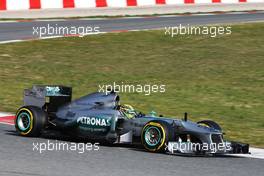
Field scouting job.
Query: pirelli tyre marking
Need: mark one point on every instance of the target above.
(24, 121)
(153, 136)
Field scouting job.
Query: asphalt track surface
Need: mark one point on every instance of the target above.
(18, 158)
(24, 30)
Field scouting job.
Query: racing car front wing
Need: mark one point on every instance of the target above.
(205, 148)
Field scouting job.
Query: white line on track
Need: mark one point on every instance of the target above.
(2, 114)
(257, 153)
(11, 41)
(53, 37)
(254, 153)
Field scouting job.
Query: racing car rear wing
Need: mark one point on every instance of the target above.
(51, 95)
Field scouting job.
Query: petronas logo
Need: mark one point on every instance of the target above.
(94, 121)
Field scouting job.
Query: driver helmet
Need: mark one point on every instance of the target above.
(128, 111)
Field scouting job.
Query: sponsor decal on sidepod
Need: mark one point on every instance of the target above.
(93, 121)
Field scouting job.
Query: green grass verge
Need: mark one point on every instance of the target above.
(211, 78)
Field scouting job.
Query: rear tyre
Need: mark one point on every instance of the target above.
(155, 136)
(30, 121)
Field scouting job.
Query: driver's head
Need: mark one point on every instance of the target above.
(128, 111)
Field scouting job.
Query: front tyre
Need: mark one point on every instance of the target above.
(30, 121)
(211, 124)
(155, 136)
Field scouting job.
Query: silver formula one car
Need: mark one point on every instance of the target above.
(99, 116)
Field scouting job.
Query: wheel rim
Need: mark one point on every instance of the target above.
(23, 121)
(152, 136)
